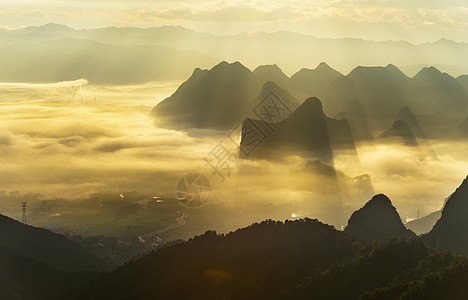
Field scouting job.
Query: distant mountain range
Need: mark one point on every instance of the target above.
(116, 55)
(30, 60)
(375, 101)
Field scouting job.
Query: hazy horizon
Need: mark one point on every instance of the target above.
(416, 21)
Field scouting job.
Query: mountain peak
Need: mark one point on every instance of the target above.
(380, 199)
(378, 219)
(270, 68)
(377, 72)
(271, 72)
(428, 71)
(407, 115)
(401, 129)
(323, 66)
(445, 41)
(224, 65)
(311, 105)
(55, 27)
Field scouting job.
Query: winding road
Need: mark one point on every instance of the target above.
(180, 221)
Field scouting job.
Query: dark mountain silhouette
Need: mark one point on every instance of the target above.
(369, 98)
(23, 278)
(307, 132)
(252, 263)
(379, 91)
(382, 89)
(377, 220)
(438, 98)
(424, 224)
(302, 259)
(401, 131)
(215, 99)
(439, 92)
(314, 83)
(273, 73)
(273, 95)
(449, 233)
(46, 247)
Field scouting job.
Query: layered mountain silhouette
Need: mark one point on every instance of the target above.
(406, 114)
(23, 278)
(316, 82)
(252, 48)
(424, 224)
(36, 263)
(381, 89)
(302, 259)
(215, 99)
(449, 233)
(378, 220)
(440, 91)
(100, 63)
(273, 73)
(273, 104)
(47, 247)
(402, 132)
(307, 132)
(371, 99)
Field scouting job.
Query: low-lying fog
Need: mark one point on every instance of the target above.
(71, 139)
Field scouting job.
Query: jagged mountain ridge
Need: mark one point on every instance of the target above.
(369, 97)
(307, 132)
(216, 99)
(256, 48)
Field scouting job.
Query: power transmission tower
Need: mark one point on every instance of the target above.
(25, 218)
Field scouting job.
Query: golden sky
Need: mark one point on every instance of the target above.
(413, 20)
